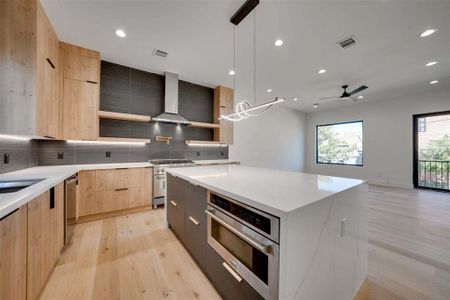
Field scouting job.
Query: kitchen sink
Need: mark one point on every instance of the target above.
(11, 186)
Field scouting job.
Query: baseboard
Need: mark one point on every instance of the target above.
(115, 213)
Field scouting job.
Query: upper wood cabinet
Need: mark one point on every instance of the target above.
(223, 105)
(45, 238)
(13, 255)
(80, 92)
(29, 54)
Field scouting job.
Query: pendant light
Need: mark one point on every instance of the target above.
(244, 109)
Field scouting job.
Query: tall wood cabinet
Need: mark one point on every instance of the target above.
(13, 255)
(45, 238)
(223, 105)
(29, 53)
(80, 92)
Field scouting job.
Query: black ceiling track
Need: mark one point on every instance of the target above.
(243, 11)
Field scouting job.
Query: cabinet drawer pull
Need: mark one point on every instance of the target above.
(90, 81)
(50, 63)
(173, 203)
(232, 272)
(121, 189)
(52, 198)
(4, 217)
(194, 221)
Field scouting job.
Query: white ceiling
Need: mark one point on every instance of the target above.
(390, 57)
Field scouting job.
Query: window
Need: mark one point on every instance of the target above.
(340, 144)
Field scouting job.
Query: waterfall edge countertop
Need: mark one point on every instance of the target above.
(53, 175)
(274, 191)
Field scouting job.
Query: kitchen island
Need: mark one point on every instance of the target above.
(260, 233)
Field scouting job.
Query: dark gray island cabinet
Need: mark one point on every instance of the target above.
(186, 205)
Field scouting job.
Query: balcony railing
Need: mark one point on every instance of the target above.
(434, 174)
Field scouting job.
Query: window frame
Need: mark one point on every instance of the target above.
(338, 164)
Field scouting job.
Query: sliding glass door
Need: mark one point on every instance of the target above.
(432, 151)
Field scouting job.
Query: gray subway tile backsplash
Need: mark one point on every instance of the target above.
(21, 154)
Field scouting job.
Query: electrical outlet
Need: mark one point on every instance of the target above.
(198, 153)
(6, 158)
(60, 155)
(108, 153)
(222, 153)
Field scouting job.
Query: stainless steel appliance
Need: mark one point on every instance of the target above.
(70, 211)
(248, 241)
(159, 176)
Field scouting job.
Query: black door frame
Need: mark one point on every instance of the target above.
(416, 149)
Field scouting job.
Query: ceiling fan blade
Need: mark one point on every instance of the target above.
(330, 98)
(360, 89)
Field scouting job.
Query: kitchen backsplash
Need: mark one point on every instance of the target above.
(22, 154)
(63, 153)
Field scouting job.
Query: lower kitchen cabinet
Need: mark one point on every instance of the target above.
(13, 255)
(45, 238)
(103, 191)
(186, 216)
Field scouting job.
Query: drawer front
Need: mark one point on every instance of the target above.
(225, 283)
(176, 188)
(104, 180)
(122, 178)
(175, 218)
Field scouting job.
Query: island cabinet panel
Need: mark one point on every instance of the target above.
(176, 196)
(225, 283)
(195, 223)
(13, 255)
(110, 190)
(45, 238)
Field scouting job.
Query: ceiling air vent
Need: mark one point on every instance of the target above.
(347, 42)
(160, 53)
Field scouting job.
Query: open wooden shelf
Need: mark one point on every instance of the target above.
(123, 116)
(204, 143)
(204, 125)
(124, 140)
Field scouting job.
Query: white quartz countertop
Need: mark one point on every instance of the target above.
(273, 191)
(52, 175)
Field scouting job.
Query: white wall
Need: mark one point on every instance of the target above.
(273, 140)
(387, 136)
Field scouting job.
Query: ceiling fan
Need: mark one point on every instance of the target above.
(346, 95)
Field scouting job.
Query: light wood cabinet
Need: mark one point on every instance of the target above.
(110, 190)
(29, 54)
(80, 92)
(45, 237)
(13, 255)
(223, 105)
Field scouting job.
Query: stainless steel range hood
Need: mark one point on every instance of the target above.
(170, 114)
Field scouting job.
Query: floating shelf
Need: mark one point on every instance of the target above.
(205, 143)
(123, 140)
(123, 116)
(204, 125)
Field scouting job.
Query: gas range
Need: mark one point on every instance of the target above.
(159, 176)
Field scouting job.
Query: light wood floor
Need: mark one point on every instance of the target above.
(134, 257)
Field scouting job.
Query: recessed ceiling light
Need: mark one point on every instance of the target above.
(316, 105)
(269, 90)
(121, 33)
(431, 63)
(278, 43)
(232, 72)
(295, 99)
(321, 71)
(428, 32)
(361, 97)
(434, 81)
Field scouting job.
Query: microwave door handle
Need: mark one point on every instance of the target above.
(257, 245)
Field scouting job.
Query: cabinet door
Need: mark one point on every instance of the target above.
(80, 110)
(195, 223)
(225, 283)
(13, 255)
(45, 238)
(81, 67)
(223, 105)
(175, 205)
(86, 188)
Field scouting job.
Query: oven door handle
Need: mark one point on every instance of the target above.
(257, 245)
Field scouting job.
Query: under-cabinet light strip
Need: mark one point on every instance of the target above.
(106, 142)
(14, 137)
